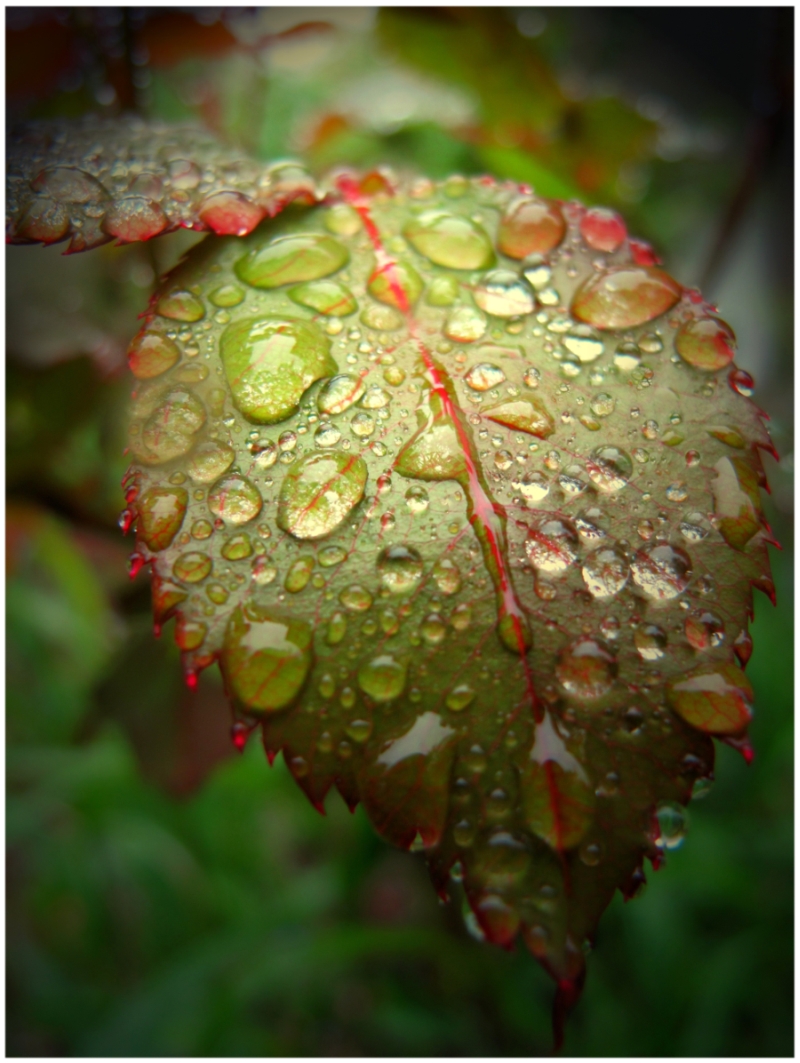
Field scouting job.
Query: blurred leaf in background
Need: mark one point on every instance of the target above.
(167, 897)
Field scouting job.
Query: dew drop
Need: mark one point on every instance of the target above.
(355, 598)
(450, 240)
(325, 297)
(298, 575)
(319, 492)
(650, 641)
(265, 657)
(151, 354)
(180, 306)
(582, 341)
(192, 567)
(237, 547)
(586, 669)
(235, 499)
(460, 697)
(417, 499)
(504, 294)
(661, 571)
(484, 376)
(624, 296)
(292, 259)
(400, 569)
(447, 576)
(672, 823)
(605, 572)
(465, 324)
(602, 229)
(209, 461)
(552, 547)
(530, 226)
(383, 678)
(609, 468)
(433, 629)
(706, 343)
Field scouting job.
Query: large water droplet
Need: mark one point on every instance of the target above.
(235, 499)
(319, 492)
(383, 678)
(151, 354)
(531, 226)
(715, 698)
(397, 284)
(706, 343)
(603, 229)
(270, 362)
(230, 213)
(291, 259)
(192, 567)
(400, 568)
(737, 504)
(624, 297)
(340, 393)
(586, 669)
(265, 657)
(325, 297)
(168, 431)
(661, 571)
(524, 415)
(449, 240)
(609, 468)
(552, 547)
(209, 461)
(180, 306)
(483, 376)
(161, 511)
(605, 572)
(504, 294)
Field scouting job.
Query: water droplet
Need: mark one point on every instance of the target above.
(325, 297)
(590, 854)
(465, 324)
(582, 341)
(400, 569)
(433, 629)
(375, 398)
(356, 598)
(270, 362)
(650, 343)
(627, 357)
(609, 468)
(706, 343)
(552, 547)
(263, 571)
(292, 259)
(672, 825)
(397, 284)
(586, 669)
(662, 571)
(602, 229)
(461, 617)
(327, 435)
(484, 376)
(450, 240)
(602, 405)
(340, 393)
(161, 511)
(704, 631)
(319, 492)
(504, 294)
(650, 641)
(189, 634)
(151, 354)
(337, 628)
(343, 220)
(202, 529)
(265, 657)
(167, 432)
(394, 375)
(381, 318)
(235, 498)
(180, 306)
(447, 576)
(362, 425)
(741, 382)
(217, 593)
(230, 213)
(331, 555)
(530, 226)
(524, 415)
(417, 499)
(209, 461)
(383, 678)
(298, 574)
(605, 572)
(460, 697)
(237, 547)
(737, 505)
(226, 296)
(624, 297)
(192, 567)
(442, 291)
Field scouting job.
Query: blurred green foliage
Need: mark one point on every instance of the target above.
(169, 897)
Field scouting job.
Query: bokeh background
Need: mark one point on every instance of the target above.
(167, 896)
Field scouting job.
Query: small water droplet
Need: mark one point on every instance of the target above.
(605, 572)
(650, 641)
(586, 669)
(672, 822)
(383, 678)
(662, 571)
(504, 294)
(552, 547)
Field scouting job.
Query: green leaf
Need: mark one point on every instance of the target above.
(483, 578)
(97, 179)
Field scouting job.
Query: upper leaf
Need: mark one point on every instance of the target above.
(469, 524)
(97, 179)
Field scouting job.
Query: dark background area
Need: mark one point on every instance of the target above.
(167, 896)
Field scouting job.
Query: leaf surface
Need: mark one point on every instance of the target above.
(478, 551)
(96, 179)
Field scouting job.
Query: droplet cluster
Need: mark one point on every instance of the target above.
(462, 493)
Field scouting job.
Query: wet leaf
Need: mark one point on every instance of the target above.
(94, 179)
(473, 567)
